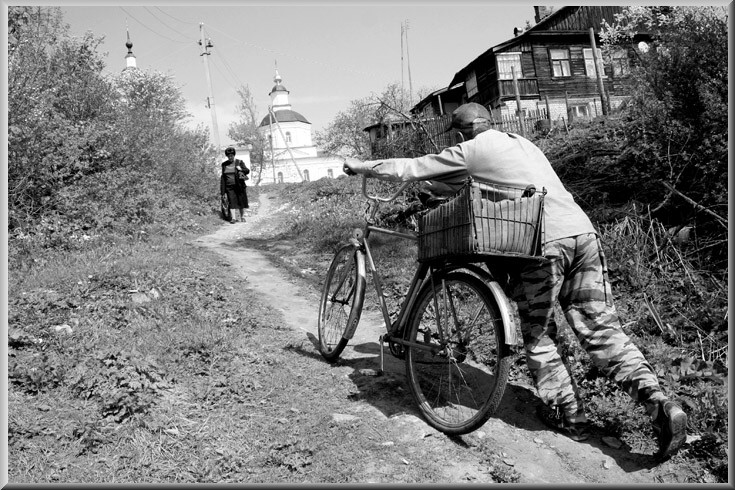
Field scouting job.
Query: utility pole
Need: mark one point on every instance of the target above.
(519, 112)
(288, 147)
(598, 70)
(210, 100)
(270, 140)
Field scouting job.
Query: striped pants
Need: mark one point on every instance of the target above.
(577, 278)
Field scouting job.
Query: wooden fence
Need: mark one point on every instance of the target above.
(431, 135)
(436, 130)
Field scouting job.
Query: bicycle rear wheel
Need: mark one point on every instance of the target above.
(341, 303)
(457, 363)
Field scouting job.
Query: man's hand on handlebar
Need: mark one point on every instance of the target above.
(349, 165)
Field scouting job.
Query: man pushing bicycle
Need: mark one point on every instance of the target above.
(575, 275)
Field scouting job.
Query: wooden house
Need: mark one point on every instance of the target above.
(550, 67)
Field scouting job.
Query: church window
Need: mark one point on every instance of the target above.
(330, 174)
(280, 177)
(306, 176)
(288, 137)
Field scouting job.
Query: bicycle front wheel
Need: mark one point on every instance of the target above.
(457, 361)
(341, 303)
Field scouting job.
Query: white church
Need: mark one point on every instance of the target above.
(290, 155)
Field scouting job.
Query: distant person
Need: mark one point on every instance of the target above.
(575, 275)
(232, 184)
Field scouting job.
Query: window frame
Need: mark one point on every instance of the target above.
(471, 87)
(508, 75)
(589, 63)
(563, 62)
(620, 63)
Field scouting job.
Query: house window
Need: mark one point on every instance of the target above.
(589, 63)
(280, 177)
(470, 84)
(506, 63)
(330, 174)
(288, 137)
(579, 111)
(306, 176)
(560, 62)
(620, 64)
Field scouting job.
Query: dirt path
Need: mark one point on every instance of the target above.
(526, 446)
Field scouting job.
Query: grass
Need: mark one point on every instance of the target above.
(165, 379)
(680, 325)
(170, 371)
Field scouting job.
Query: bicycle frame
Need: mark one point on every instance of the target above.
(394, 331)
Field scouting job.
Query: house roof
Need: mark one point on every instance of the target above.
(435, 93)
(459, 76)
(282, 116)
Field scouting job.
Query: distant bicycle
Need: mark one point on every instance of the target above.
(454, 328)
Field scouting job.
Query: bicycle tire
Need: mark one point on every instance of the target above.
(459, 383)
(341, 302)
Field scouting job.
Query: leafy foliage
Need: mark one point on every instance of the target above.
(245, 131)
(78, 141)
(346, 135)
(674, 128)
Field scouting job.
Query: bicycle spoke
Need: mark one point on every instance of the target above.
(342, 300)
(453, 367)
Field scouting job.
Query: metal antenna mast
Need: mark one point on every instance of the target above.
(210, 100)
(408, 64)
(402, 89)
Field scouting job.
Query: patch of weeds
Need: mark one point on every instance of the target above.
(294, 456)
(122, 383)
(499, 469)
(36, 372)
(91, 435)
(711, 451)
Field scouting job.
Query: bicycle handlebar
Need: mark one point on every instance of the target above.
(382, 199)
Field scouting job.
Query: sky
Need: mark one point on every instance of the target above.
(327, 54)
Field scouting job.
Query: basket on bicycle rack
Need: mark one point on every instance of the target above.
(483, 219)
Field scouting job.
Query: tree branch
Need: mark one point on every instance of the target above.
(719, 218)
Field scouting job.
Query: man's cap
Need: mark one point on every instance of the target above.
(464, 115)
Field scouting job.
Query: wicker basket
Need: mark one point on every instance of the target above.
(483, 219)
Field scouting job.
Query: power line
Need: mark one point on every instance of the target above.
(281, 54)
(162, 22)
(216, 65)
(168, 55)
(176, 19)
(152, 30)
(229, 68)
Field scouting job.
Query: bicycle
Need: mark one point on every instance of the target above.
(454, 328)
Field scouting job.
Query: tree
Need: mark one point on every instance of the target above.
(245, 130)
(677, 117)
(76, 136)
(346, 135)
(149, 110)
(57, 101)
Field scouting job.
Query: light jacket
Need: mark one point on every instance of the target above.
(498, 158)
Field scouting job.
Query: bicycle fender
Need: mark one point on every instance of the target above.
(509, 326)
(361, 272)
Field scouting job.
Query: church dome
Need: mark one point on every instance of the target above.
(283, 116)
(278, 88)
